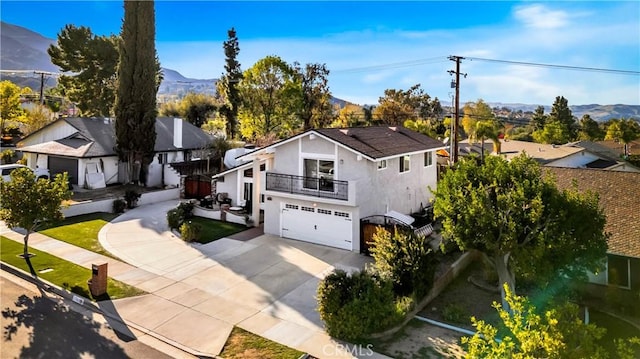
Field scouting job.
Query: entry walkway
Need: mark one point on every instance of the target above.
(197, 293)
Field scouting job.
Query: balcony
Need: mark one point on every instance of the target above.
(308, 186)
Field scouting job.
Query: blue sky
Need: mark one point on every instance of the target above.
(373, 46)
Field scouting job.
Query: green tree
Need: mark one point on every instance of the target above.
(590, 130)
(520, 221)
(556, 334)
(38, 117)
(228, 84)
(398, 106)
(197, 108)
(11, 112)
(29, 203)
(560, 112)
(91, 61)
(539, 119)
(270, 99)
(138, 80)
(552, 133)
(623, 131)
(479, 122)
(406, 260)
(315, 107)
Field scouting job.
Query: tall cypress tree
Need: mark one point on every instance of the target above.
(228, 85)
(138, 81)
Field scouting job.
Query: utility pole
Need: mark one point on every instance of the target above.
(456, 120)
(42, 73)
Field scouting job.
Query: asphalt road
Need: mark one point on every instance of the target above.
(39, 325)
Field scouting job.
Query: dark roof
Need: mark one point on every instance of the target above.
(596, 148)
(618, 196)
(381, 141)
(96, 138)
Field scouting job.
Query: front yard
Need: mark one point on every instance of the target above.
(212, 230)
(81, 231)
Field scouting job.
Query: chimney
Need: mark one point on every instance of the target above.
(177, 132)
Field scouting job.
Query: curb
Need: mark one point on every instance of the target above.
(89, 305)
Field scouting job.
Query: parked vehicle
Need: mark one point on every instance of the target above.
(7, 169)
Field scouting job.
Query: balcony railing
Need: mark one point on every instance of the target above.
(308, 186)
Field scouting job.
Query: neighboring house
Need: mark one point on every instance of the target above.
(316, 186)
(85, 149)
(618, 192)
(581, 154)
(618, 147)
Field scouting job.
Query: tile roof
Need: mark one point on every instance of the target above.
(96, 138)
(381, 141)
(618, 148)
(619, 196)
(540, 152)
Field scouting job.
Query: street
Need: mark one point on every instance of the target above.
(40, 325)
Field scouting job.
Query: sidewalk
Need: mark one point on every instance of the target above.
(199, 292)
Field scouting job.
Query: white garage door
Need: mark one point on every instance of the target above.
(317, 225)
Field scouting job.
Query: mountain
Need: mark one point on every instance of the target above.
(23, 49)
(597, 112)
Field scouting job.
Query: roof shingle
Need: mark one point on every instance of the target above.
(619, 197)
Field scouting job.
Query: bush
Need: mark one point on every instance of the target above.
(131, 197)
(455, 313)
(190, 232)
(356, 305)
(175, 218)
(405, 259)
(119, 205)
(7, 156)
(187, 210)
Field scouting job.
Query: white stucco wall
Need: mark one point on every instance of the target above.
(230, 185)
(55, 131)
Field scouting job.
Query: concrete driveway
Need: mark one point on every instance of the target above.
(266, 285)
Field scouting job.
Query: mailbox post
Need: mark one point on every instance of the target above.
(98, 281)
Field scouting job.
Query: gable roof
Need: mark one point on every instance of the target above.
(618, 197)
(374, 143)
(381, 141)
(95, 137)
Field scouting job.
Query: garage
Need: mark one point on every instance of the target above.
(317, 225)
(61, 164)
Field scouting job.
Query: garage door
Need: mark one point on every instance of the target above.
(60, 165)
(317, 225)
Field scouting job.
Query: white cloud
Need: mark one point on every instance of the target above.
(540, 17)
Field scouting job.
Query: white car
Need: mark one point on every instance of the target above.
(7, 169)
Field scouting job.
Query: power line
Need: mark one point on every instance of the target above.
(394, 65)
(565, 67)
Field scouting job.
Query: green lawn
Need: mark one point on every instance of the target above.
(213, 230)
(81, 231)
(64, 274)
(246, 345)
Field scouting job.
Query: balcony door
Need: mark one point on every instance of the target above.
(318, 174)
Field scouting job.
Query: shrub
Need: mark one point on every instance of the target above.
(455, 313)
(187, 210)
(405, 259)
(353, 306)
(175, 218)
(190, 232)
(119, 205)
(131, 197)
(7, 156)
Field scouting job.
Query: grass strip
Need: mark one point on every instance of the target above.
(81, 231)
(67, 275)
(246, 345)
(212, 230)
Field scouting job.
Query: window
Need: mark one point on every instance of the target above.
(428, 159)
(382, 164)
(318, 174)
(290, 206)
(618, 271)
(405, 162)
(341, 214)
(324, 211)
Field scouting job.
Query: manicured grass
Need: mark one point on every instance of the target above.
(65, 274)
(81, 231)
(245, 345)
(213, 230)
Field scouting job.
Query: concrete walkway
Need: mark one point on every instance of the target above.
(265, 285)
